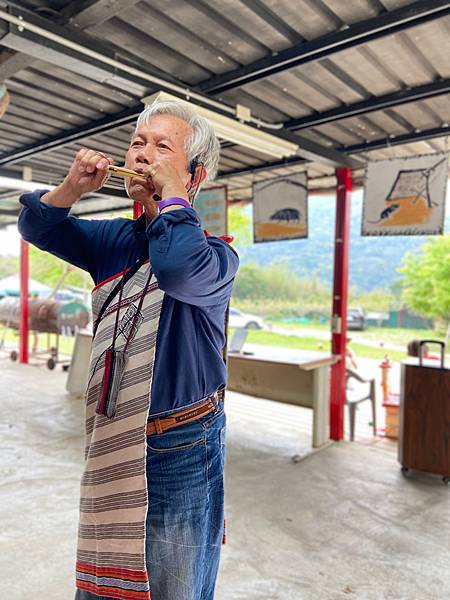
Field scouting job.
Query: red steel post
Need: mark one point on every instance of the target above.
(340, 293)
(23, 324)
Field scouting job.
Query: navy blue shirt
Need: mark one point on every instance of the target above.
(195, 272)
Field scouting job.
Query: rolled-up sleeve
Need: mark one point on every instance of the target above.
(52, 229)
(189, 266)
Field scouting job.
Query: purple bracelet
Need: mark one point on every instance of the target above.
(175, 201)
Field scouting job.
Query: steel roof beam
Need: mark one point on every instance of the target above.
(405, 96)
(124, 117)
(279, 164)
(270, 17)
(405, 138)
(388, 23)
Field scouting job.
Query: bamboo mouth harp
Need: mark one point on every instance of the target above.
(122, 172)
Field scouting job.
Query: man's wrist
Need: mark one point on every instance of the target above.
(63, 196)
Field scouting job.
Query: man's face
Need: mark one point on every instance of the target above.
(162, 138)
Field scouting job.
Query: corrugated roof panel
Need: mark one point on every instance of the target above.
(433, 41)
(358, 66)
(354, 11)
(402, 57)
(385, 120)
(236, 155)
(29, 106)
(319, 137)
(48, 98)
(124, 35)
(93, 90)
(311, 95)
(174, 36)
(418, 116)
(250, 19)
(226, 33)
(63, 88)
(441, 106)
(30, 117)
(330, 82)
(341, 134)
(363, 127)
(6, 145)
(394, 4)
(291, 105)
(264, 110)
(18, 134)
(39, 128)
(304, 16)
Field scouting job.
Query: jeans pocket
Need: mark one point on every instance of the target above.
(210, 420)
(176, 440)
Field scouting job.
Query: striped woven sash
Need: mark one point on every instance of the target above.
(113, 505)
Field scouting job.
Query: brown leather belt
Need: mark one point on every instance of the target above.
(157, 426)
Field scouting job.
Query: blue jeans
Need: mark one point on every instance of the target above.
(186, 509)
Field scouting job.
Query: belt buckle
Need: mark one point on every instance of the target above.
(214, 399)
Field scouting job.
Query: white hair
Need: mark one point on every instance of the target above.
(202, 144)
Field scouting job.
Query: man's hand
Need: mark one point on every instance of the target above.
(166, 180)
(88, 173)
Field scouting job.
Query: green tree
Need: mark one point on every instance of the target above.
(426, 279)
(374, 301)
(49, 269)
(250, 282)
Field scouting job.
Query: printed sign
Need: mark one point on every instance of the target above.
(211, 205)
(280, 209)
(405, 196)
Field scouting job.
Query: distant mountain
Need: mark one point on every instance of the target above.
(373, 260)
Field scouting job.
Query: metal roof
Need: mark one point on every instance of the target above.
(349, 80)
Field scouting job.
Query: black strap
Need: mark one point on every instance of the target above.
(122, 281)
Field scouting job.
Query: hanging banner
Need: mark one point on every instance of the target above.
(280, 209)
(405, 196)
(211, 205)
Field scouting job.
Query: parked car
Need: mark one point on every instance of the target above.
(240, 319)
(356, 319)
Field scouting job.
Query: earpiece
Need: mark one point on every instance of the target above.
(193, 168)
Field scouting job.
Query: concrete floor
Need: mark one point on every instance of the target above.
(342, 523)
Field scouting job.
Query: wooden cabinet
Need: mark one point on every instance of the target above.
(424, 441)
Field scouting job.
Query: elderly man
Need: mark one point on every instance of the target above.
(151, 508)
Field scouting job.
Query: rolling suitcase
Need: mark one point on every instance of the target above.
(424, 437)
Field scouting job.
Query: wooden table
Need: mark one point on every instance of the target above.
(289, 377)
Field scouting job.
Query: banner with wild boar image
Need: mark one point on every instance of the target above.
(406, 196)
(280, 208)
